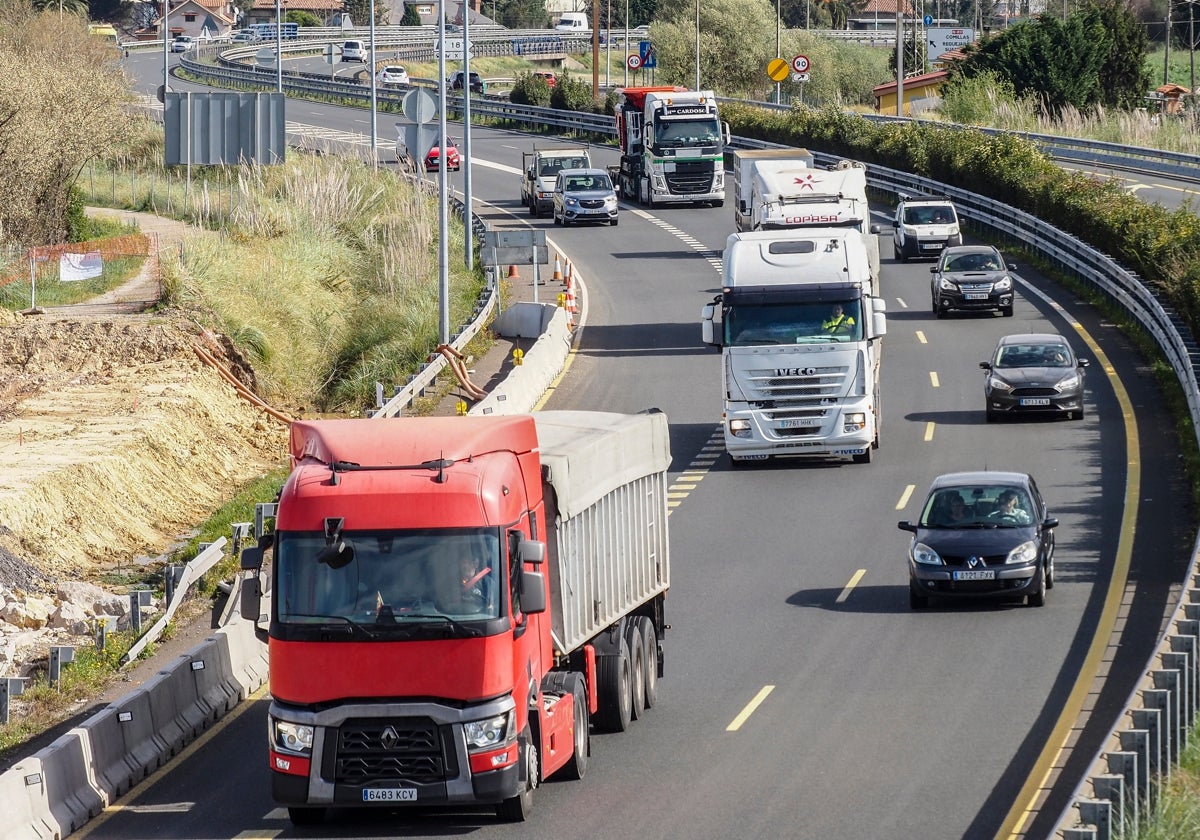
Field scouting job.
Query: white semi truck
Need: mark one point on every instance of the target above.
(743, 162)
(799, 322)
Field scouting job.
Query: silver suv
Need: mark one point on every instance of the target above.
(925, 225)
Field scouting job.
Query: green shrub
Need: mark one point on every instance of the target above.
(530, 90)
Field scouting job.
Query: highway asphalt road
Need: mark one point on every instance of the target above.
(802, 698)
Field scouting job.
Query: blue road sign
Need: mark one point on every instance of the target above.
(929, 20)
(646, 51)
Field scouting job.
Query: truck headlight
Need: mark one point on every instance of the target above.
(855, 421)
(292, 737)
(488, 733)
(719, 181)
(739, 428)
(925, 555)
(660, 183)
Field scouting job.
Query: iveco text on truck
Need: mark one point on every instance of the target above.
(452, 600)
(799, 320)
(672, 146)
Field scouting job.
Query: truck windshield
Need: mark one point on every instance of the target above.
(678, 133)
(749, 325)
(390, 579)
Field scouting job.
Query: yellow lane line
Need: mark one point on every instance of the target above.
(929, 431)
(177, 761)
(745, 713)
(921, 337)
(905, 496)
(1025, 804)
(933, 379)
(845, 593)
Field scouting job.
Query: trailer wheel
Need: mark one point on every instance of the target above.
(612, 682)
(518, 808)
(637, 670)
(650, 646)
(306, 816)
(577, 766)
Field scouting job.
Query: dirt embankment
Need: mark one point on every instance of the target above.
(115, 440)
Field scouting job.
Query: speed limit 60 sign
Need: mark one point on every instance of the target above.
(634, 61)
(800, 64)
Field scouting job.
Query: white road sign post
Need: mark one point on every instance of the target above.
(454, 48)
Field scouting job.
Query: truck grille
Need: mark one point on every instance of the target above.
(377, 750)
(798, 403)
(691, 176)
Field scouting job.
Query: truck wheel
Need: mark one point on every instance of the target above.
(577, 766)
(650, 646)
(518, 808)
(306, 816)
(637, 670)
(533, 208)
(612, 682)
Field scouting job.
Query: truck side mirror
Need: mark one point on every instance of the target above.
(708, 330)
(251, 597)
(252, 558)
(533, 592)
(725, 132)
(879, 324)
(531, 551)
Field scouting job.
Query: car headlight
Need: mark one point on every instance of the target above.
(1070, 383)
(570, 202)
(293, 737)
(610, 201)
(998, 384)
(925, 555)
(954, 230)
(947, 285)
(488, 733)
(1026, 552)
(1004, 284)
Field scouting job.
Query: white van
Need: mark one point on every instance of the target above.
(573, 22)
(354, 51)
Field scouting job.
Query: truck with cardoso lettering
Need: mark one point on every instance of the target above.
(799, 321)
(672, 146)
(454, 601)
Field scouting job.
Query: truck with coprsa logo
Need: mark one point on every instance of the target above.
(672, 146)
(453, 601)
(799, 321)
(742, 163)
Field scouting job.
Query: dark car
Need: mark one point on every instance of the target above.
(476, 82)
(972, 277)
(453, 159)
(1034, 373)
(981, 534)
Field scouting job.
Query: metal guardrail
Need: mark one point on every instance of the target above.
(1146, 739)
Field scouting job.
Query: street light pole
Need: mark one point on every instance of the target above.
(278, 47)
(697, 45)
(166, 33)
(374, 95)
(626, 61)
(468, 230)
(778, 47)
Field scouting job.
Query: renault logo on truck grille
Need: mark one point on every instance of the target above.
(390, 738)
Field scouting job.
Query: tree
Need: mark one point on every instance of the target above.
(522, 14)
(67, 7)
(1056, 62)
(410, 18)
(302, 18)
(61, 106)
(1124, 77)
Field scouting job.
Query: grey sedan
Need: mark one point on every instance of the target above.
(1033, 373)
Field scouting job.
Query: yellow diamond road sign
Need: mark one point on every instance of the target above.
(778, 69)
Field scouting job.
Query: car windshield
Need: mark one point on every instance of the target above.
(750, 325)
(986, 506)
(928, 215)
(1033, 355)
(972, 262)
(588, 182)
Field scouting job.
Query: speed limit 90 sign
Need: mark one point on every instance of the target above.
(800, 64)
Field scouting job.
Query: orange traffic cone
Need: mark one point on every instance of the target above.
(568, 273)
(558, 275)
(512, 273)
(568, 304)
(569, 298)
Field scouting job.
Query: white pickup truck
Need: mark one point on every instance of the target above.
(539, 170)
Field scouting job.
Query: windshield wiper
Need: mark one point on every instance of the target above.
(456, 625)
(352, 625)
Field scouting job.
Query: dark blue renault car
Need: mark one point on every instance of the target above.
(981, 535)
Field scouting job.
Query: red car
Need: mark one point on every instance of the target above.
(550, 78)
(453, 160)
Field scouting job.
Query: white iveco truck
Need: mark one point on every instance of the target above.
(799, 322)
